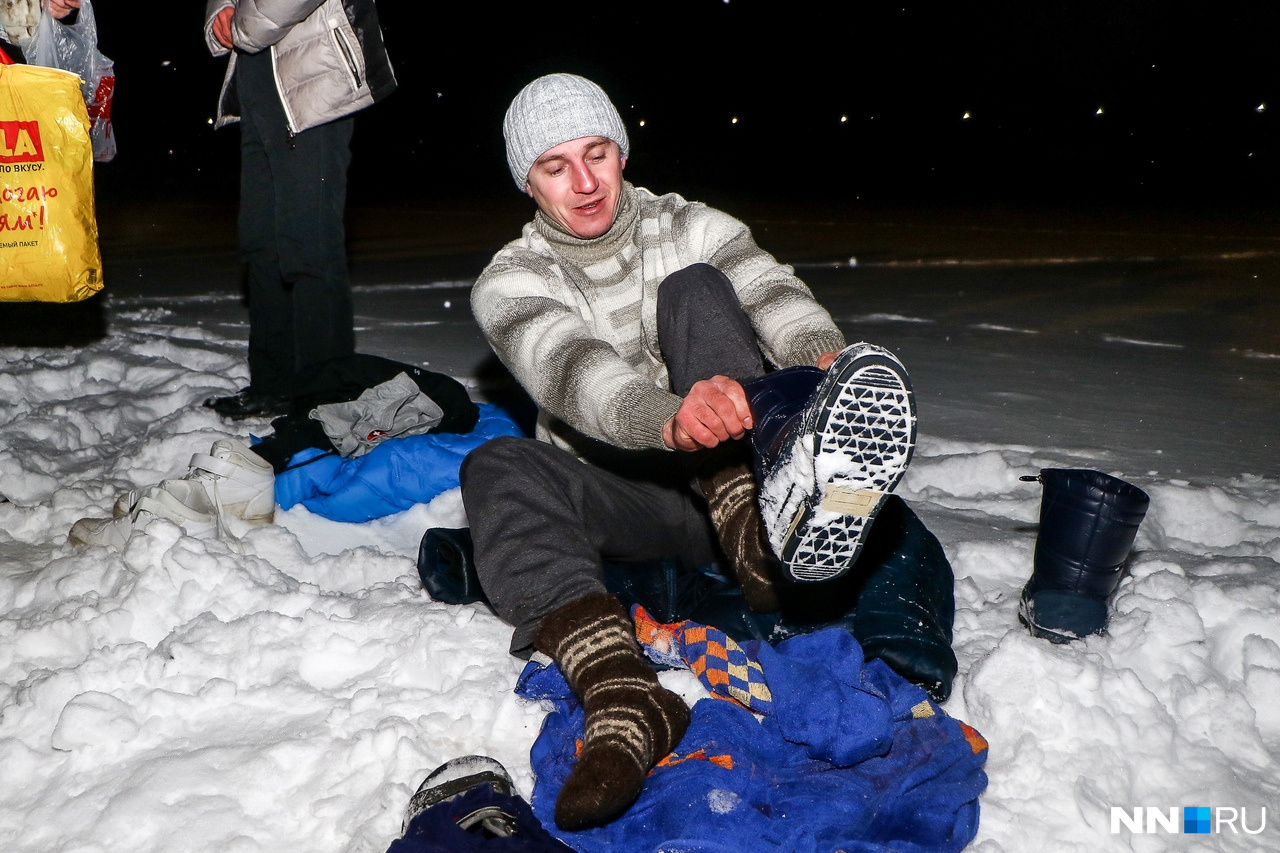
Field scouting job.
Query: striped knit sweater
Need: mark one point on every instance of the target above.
(575, 321)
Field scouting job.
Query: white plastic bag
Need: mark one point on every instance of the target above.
(74, 48)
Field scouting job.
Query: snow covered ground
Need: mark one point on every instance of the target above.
(183, 696)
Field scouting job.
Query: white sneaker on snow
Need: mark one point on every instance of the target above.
(240, 484)
(225, 491)
(184, 502)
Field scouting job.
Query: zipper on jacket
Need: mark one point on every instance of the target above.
(289, 123)
(341, 39)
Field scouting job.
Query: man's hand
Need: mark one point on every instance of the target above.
(824, 360)
(221, 26)
(61, 8)
(714, 410)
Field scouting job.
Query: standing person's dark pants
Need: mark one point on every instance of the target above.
(293, 191)
(542, 521)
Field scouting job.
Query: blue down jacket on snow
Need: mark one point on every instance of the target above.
(849, 757)
(391, 478)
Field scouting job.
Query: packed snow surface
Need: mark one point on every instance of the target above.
(290, 690)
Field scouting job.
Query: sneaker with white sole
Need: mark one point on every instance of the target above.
(126, 501)
(240, 483)
(224, 493)
(183, 502)
(238, 480)
(112, 532)
(842, 456)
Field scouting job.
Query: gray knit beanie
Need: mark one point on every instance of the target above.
(552, 110)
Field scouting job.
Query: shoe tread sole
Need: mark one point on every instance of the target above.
(867, 416)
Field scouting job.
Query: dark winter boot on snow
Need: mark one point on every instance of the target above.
(831, 445)
(906, 606)
(250, 403)
(1088, 521)
(446, 564)
(631, 721)
(465, 805)
(729, 486)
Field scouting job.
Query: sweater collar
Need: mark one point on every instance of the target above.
(590, 250)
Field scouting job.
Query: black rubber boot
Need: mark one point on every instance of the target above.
(1088, 521)
(776, 400)
(830, 448)
(907, 603)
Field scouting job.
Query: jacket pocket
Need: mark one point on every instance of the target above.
(344, 40)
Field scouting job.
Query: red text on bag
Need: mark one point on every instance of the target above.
(100, 106)
(20, 142)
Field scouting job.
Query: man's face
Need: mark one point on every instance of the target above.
(577, 183)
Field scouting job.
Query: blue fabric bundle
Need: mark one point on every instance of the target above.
(851, 757)
(391, 478)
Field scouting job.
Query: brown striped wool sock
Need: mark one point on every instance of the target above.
(732, 496)
(632, 721)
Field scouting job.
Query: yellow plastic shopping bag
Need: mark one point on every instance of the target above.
(48, 228)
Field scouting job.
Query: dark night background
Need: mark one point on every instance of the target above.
(1188, 95)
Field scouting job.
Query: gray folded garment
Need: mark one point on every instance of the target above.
(392, 409)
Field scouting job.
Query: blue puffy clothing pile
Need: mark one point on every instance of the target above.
(391, 478)
(850, 757)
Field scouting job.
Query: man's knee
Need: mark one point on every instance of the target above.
(508, 465)
(490, 460)
(695, 285)
(703, 329)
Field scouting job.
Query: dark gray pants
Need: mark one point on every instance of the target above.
(542, 521)
(292, 193)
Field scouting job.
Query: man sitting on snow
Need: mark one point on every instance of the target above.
(641, 325)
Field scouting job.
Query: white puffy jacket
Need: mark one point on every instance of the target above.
(327, 55)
